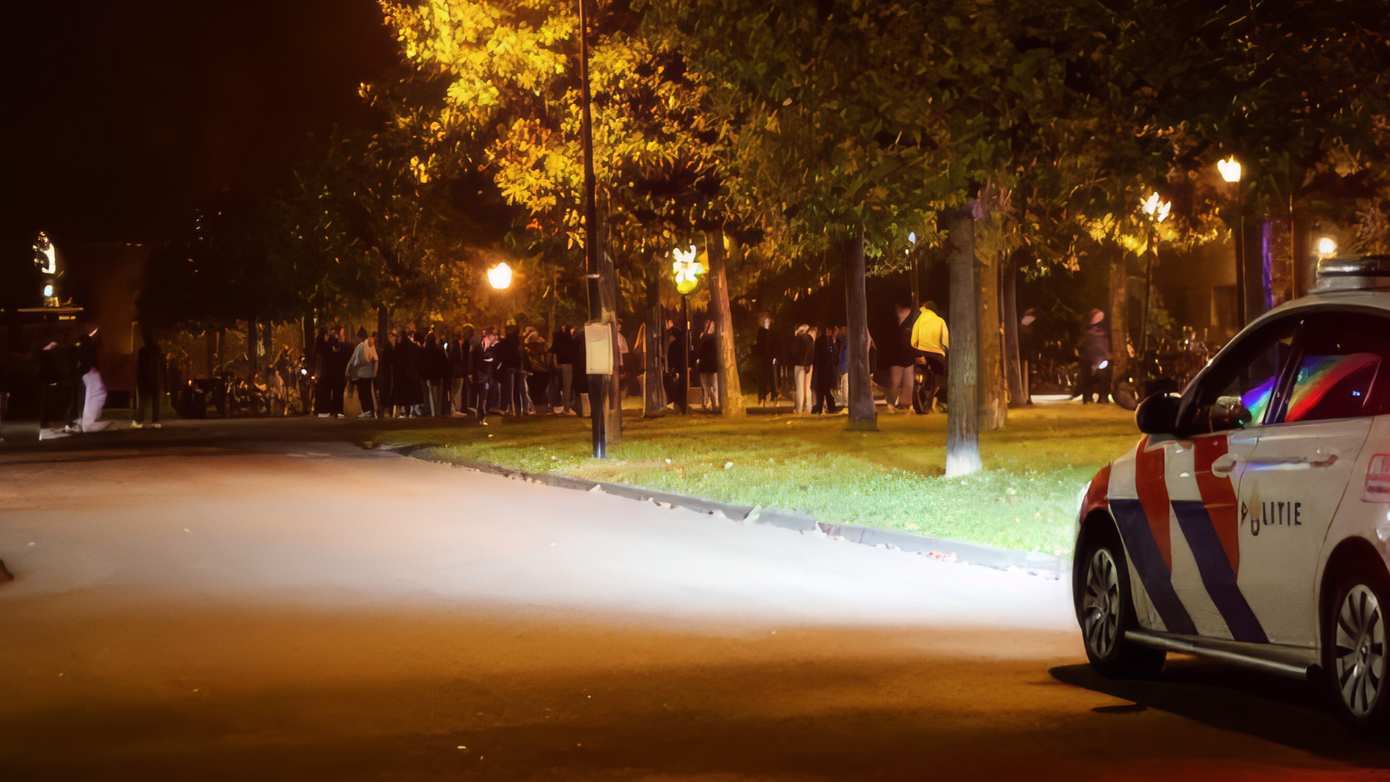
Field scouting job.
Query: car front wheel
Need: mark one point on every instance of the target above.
(1105, 610)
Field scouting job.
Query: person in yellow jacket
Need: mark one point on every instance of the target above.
(931, 339)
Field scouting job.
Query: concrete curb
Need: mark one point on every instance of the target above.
(1031, 562)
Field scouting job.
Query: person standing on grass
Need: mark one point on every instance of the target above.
(767, 351)
(803, 356)
(842, 365)
(824, 375)
(931, 339)
(901, 358)
(149, 381)
(386, 372)
(362, 370)
(485, 370)
(707, 362)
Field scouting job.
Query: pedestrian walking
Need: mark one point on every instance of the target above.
(562, 347)
(94, 386)
(1094, 350)
(803, 356)
(362, 370)
(56, 368)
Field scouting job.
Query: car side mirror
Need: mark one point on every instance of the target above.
(1158, 414)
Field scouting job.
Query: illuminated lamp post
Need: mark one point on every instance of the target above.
(591, 232)
(1230, 170)
(1326, 247)
(1156, 210)
(499, 276)
(687, 271)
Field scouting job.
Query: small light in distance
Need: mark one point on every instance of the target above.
(1327, 247)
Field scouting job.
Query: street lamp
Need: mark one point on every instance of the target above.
(500, 276)
(1231, 170)
(1156, 209)
(1326, 247)
(687, 271)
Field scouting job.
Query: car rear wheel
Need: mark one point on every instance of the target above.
(1354, 649)
(1105, 609)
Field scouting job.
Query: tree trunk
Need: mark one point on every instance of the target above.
(730, 389)
(210, 343)
(962, 384)
(383, 324)
(862, 415)
(267, 342)
(1119, 315)
(1013, 358)
(653, 377)
(993, 402)
(1259, 265)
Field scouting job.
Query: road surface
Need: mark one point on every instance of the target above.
(231, 605)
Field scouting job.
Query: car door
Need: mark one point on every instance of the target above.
(1305, 460)
(1222, 420)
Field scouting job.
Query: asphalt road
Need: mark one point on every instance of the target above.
(266, 602)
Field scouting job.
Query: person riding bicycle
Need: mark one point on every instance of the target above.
(930, 339)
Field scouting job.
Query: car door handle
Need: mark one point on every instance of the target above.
(1325, 459)
(1224, 465)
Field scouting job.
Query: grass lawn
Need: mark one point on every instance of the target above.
(1024, 499)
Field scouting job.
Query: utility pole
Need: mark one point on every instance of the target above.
(591, 232)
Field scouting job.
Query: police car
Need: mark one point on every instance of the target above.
(1251, 523)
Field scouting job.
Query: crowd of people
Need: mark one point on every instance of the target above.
(813, 362)
(470, 371)
(515, 370)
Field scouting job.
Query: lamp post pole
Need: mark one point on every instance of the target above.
(591, 232)
(685, 355)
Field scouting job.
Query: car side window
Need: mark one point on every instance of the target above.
(1340, 369)
(1237, 390)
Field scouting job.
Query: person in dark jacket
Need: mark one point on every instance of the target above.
(1094, 351)
(56, 382)
(433, 366)
(902, 360)
(485, 369)
(678, 371)
(456, 351)
(332, 366)
(707, 363)
(409, 384)
(149, 381)
(767, 352)
(824, 372)
(388, 353)
(511, 361)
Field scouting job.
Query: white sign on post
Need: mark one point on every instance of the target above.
(598, 349)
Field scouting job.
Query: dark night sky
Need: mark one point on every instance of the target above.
(115, 116)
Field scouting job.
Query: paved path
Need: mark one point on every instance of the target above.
(227, 604)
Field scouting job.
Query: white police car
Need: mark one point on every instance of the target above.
(1251, 524)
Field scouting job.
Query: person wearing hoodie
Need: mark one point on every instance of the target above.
(803, 358)
(1094, 352)
(707, 364)
(362, 370)
(149, 381)
(931, 340)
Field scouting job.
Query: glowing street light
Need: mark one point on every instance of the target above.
(1229, 169)
(1156, 209)
(1326, 247)
(687, 270)
(500, 276)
